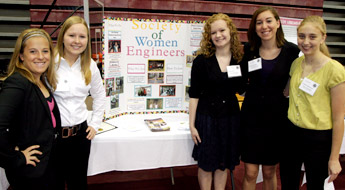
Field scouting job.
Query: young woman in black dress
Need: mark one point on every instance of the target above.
(265, 66)
(213, 106)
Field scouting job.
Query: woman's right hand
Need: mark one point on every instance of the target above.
(30, 153)
(195, 135)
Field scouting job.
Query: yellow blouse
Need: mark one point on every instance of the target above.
(313, 112)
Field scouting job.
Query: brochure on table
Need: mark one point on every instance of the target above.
(147, 64)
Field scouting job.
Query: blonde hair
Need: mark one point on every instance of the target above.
(85, 55)
(16, 64)
(320, 24)
(207, 47)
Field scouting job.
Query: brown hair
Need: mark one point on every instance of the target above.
(320, 24)
(254, 39)
(16, 64)
(207, 47)
(85, 56)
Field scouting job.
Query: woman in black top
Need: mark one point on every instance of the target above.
(29, 116)
(213, 106)
(264, 110)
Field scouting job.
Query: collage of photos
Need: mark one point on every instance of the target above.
(156, 84)
(155, 70)
(114, 87)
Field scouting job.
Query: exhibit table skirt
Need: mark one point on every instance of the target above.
(133, 146)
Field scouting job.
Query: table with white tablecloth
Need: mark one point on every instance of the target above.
(132, 146)
(342, 148)
(3, 180)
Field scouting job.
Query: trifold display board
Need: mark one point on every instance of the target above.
(147, 64)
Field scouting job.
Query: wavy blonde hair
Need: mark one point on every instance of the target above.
(16, 64)
(85, 56)
(207, 47)
(320, 24)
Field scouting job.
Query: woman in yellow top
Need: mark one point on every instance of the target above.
(316, 110)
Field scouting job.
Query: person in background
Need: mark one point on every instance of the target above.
(78, 76)
(316, 110)
(265, 68)
(29, 116)
(213, 106)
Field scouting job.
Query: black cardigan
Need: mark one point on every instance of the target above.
(267, 101)
(215, 91)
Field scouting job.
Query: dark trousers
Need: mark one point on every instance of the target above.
(311, 147)
(73, 154)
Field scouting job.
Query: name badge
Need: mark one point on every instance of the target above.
(234, 71)
(255, 64)
(308, 86)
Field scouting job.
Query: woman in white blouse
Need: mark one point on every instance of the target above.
(78, 76)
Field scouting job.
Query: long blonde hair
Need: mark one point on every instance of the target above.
(320, 24)
(85, 56)
(207, 47)
(16, 64)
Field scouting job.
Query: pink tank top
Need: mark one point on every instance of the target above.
(51, 107)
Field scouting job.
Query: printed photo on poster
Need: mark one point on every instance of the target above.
(167, 90)
(142, 90)
(189, 60)
(155, 78)
(114, 46)
(156, 65)
(114, 100)
(154, 103)
(109, 83)
(119, 85)
(186, 97)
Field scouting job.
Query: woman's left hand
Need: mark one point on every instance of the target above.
(91, 132)
(334, 168)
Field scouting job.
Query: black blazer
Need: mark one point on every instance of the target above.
(25, 120)
(266, 102)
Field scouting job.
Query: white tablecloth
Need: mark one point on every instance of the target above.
(3, 180)
(342, 149)
(132, 146)
(124, 150)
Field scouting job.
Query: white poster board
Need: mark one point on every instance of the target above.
(147, 64)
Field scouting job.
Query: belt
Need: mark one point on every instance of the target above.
(68, 131)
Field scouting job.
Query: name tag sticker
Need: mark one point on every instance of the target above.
(308, 86)
(234, 71)
(255, 64)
